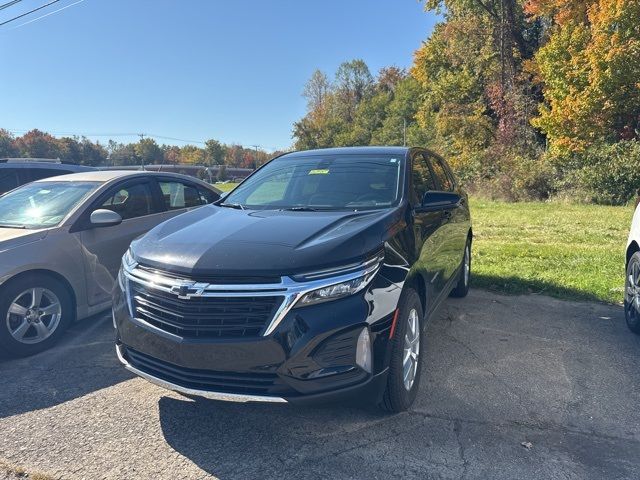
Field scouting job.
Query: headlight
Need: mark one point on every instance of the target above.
(336, 291)
(128, 261)
(128, 264)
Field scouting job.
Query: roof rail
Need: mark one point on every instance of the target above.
(39, 160)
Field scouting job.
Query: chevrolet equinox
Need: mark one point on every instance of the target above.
(312, 281)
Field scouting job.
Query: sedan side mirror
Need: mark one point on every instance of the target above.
(434, 201)
(104, 218)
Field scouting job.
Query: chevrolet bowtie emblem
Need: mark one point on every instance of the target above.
(187, 290)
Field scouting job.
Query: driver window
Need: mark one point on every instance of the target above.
(131, 201)
(422, 178)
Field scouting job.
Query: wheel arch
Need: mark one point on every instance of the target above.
(53, 275)
(418, 283)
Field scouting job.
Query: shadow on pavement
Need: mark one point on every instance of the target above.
(515, 286)
(230, 440)
(84, 361)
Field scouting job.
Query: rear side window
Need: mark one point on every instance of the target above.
(443, 176)
(422, 178)
(131, 201)
(177, 195)
(8, 180)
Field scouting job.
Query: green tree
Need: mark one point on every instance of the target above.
(123, 154)
(215, 152)
(8, 147)
(353, 83)
(191, 154)
(148, 151)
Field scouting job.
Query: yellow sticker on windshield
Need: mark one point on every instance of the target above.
(319, 172)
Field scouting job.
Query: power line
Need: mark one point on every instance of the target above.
(29, 12)
(8, 4)
(47, 14)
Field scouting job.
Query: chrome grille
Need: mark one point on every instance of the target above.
(204, 317)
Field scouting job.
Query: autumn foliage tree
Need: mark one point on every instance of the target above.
(590, 69)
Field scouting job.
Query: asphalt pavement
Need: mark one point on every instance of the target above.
(513, 387)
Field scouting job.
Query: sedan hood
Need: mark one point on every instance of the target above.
(14, 237)
(223, 241)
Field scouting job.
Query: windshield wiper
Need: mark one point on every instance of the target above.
(300, 209)
(3, 225)
(232, 205)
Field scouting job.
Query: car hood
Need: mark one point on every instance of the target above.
(223, 241)
(14, 237)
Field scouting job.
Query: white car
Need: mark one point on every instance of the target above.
(632, 277)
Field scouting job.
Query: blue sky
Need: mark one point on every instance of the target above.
(189, 69)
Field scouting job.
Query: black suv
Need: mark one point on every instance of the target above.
(18, 171)
(312, 280)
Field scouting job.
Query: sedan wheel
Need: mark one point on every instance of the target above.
(632, 294)
(34, 315)
(35, 310)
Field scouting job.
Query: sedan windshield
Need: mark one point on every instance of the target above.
(334, 182)
(42, 204)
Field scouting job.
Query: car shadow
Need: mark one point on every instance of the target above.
(514, 285)
(235, 440)
(82, 362)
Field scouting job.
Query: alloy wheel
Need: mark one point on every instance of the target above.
(411, 350)
(34, 315)
(632, 290)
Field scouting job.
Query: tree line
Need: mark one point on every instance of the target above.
(83, 151)
(525, 98)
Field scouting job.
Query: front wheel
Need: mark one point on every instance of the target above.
(406, 355)
(632, 294)
(34, 312)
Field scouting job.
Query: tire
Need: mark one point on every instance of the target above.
(38, 329)
(632, 294)
(398, 396)
(464, 277)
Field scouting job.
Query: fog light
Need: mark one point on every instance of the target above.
(363, 351)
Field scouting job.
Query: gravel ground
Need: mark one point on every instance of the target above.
(513, 387)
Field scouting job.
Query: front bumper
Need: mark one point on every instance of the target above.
(371, 389)
(308, 358)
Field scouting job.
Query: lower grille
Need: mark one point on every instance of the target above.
(204, 317)
(206, 380)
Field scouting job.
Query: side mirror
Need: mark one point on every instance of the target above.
(434, 201)
(104, 218)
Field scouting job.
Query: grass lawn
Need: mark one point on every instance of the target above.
(567, 251)
(225, 187)
(563, 250)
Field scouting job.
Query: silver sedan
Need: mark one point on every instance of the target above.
(62, 239)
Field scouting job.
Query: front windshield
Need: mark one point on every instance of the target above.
(41, 204)
(332, 182)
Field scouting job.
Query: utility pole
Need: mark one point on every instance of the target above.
(255, 163)
(141, 135)
(404, 132)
